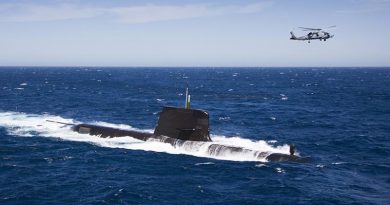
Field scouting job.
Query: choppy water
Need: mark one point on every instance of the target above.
(340, 117)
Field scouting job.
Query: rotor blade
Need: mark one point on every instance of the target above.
(310, 29)
(330, 28)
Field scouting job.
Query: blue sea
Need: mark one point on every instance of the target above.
(339, 117)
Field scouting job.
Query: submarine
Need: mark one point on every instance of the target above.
(177, 126)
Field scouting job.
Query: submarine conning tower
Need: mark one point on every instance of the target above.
(183, 124)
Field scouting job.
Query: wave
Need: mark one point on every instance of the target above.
(30, 125)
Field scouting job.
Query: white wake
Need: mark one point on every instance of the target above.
(30, 125)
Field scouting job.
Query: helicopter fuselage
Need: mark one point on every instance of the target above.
(313, 35)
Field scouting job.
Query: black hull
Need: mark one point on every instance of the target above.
(213, 149)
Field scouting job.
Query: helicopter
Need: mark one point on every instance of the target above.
(314, 34)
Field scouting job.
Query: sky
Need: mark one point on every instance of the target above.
(193, 33)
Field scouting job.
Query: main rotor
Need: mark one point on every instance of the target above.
(315, 29)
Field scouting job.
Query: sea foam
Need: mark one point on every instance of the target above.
(32, 125)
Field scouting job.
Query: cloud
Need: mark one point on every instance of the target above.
(359, 11)
(32, 13)
(153, 13)
(366, 7)
(129, 14)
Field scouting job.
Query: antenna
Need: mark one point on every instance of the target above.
(188, 99)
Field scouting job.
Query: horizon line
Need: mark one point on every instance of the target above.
(95, 66)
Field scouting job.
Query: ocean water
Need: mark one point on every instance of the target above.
(340, 117)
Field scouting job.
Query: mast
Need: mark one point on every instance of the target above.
(188, 99)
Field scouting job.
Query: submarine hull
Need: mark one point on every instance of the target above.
(213, 149)
(109, 132)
